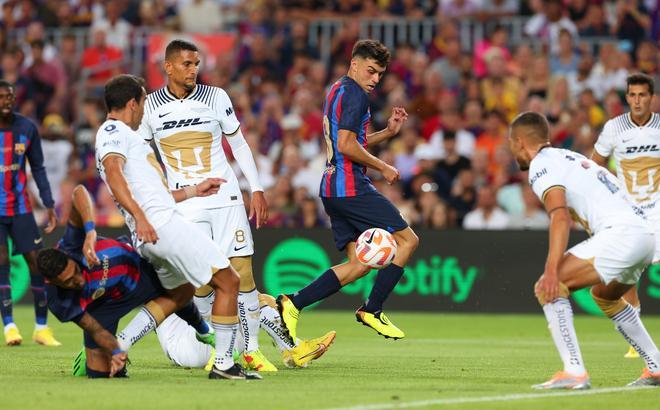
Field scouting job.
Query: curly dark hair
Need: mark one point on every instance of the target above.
(372, 49)
(51, 262)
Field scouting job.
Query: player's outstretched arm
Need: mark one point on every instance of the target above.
(114, 165)
(349, 147)
(105, 340)
(83, 216)
(394, 124)
(560, 225)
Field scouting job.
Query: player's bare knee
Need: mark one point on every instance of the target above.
(564, 292)
(226, 280)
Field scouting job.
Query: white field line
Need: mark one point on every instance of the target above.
(509, 342)
(488, 399)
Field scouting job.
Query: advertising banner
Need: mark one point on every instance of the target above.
(451, 271)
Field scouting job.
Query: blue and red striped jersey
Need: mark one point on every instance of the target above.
(346, 108)
(116, 276)
(21, 142)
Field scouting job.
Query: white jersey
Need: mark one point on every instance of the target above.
(142, 171)
(593, 195)
(188, 134)
(636, 151)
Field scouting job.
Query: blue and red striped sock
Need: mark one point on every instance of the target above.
(38, 287)
(6, 306)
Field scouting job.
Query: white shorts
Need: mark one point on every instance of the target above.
(228, 226)
(619, 254)
(183, 254)
(180, 345)
(654, 220)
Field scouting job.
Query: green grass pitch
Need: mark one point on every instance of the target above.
(447, 360)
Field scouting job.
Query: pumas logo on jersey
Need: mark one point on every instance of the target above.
(188, 122)
(642, 148)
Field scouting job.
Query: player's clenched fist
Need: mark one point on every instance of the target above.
(390, 174)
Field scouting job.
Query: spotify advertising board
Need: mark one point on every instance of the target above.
(451, 271)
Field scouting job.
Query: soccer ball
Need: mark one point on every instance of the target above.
(375, 248)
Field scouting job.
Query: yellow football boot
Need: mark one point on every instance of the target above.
(308, 350)
(289, 314)
(631, 353)
(45, 337)
(380, 323)
(255, 360)
(13, 336)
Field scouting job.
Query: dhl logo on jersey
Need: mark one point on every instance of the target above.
(642, 148)
(188, 122)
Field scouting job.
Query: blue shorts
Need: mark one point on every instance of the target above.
(350, 216)
(110, 313)
(23, 231)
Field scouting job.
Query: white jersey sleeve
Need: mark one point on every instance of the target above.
(606, 142)
(110, 140)
(544, 174)
(145, 130)
(226, 115)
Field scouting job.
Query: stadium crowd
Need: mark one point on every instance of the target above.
(456, 168)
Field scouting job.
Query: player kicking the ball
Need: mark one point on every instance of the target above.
(349, 198)
(610, 262)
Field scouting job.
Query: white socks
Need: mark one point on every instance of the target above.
(140, 326)
(628, 323)
(248, 313)
(272, 324)
(225, 337)
(560, 322)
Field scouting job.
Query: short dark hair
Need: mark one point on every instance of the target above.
(537, 123)
(640, 79)
(51, 262)
(372, 49)
(178, 45)
(6, 84)
(122, 89)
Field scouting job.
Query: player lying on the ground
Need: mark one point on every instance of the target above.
(621, 246)
(94, 282)
(182, 346)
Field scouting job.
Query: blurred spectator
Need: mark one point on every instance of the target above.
(200, 16)
(23, 86)
(595, 22)
(566, 60)
(547, 24)
(533, 216)
(100, 59)
(441, 217)
(405, 160)
(48, 80)
(449, 65)
(632, 21)
(608, 73)
(497, 39)
(308, 215)
(57, 147)
(499, 8)
(450, 165)
(117, 29)
(451, 125)
(458, 8)
(35, 32)
(493, 135)
(487, 215)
